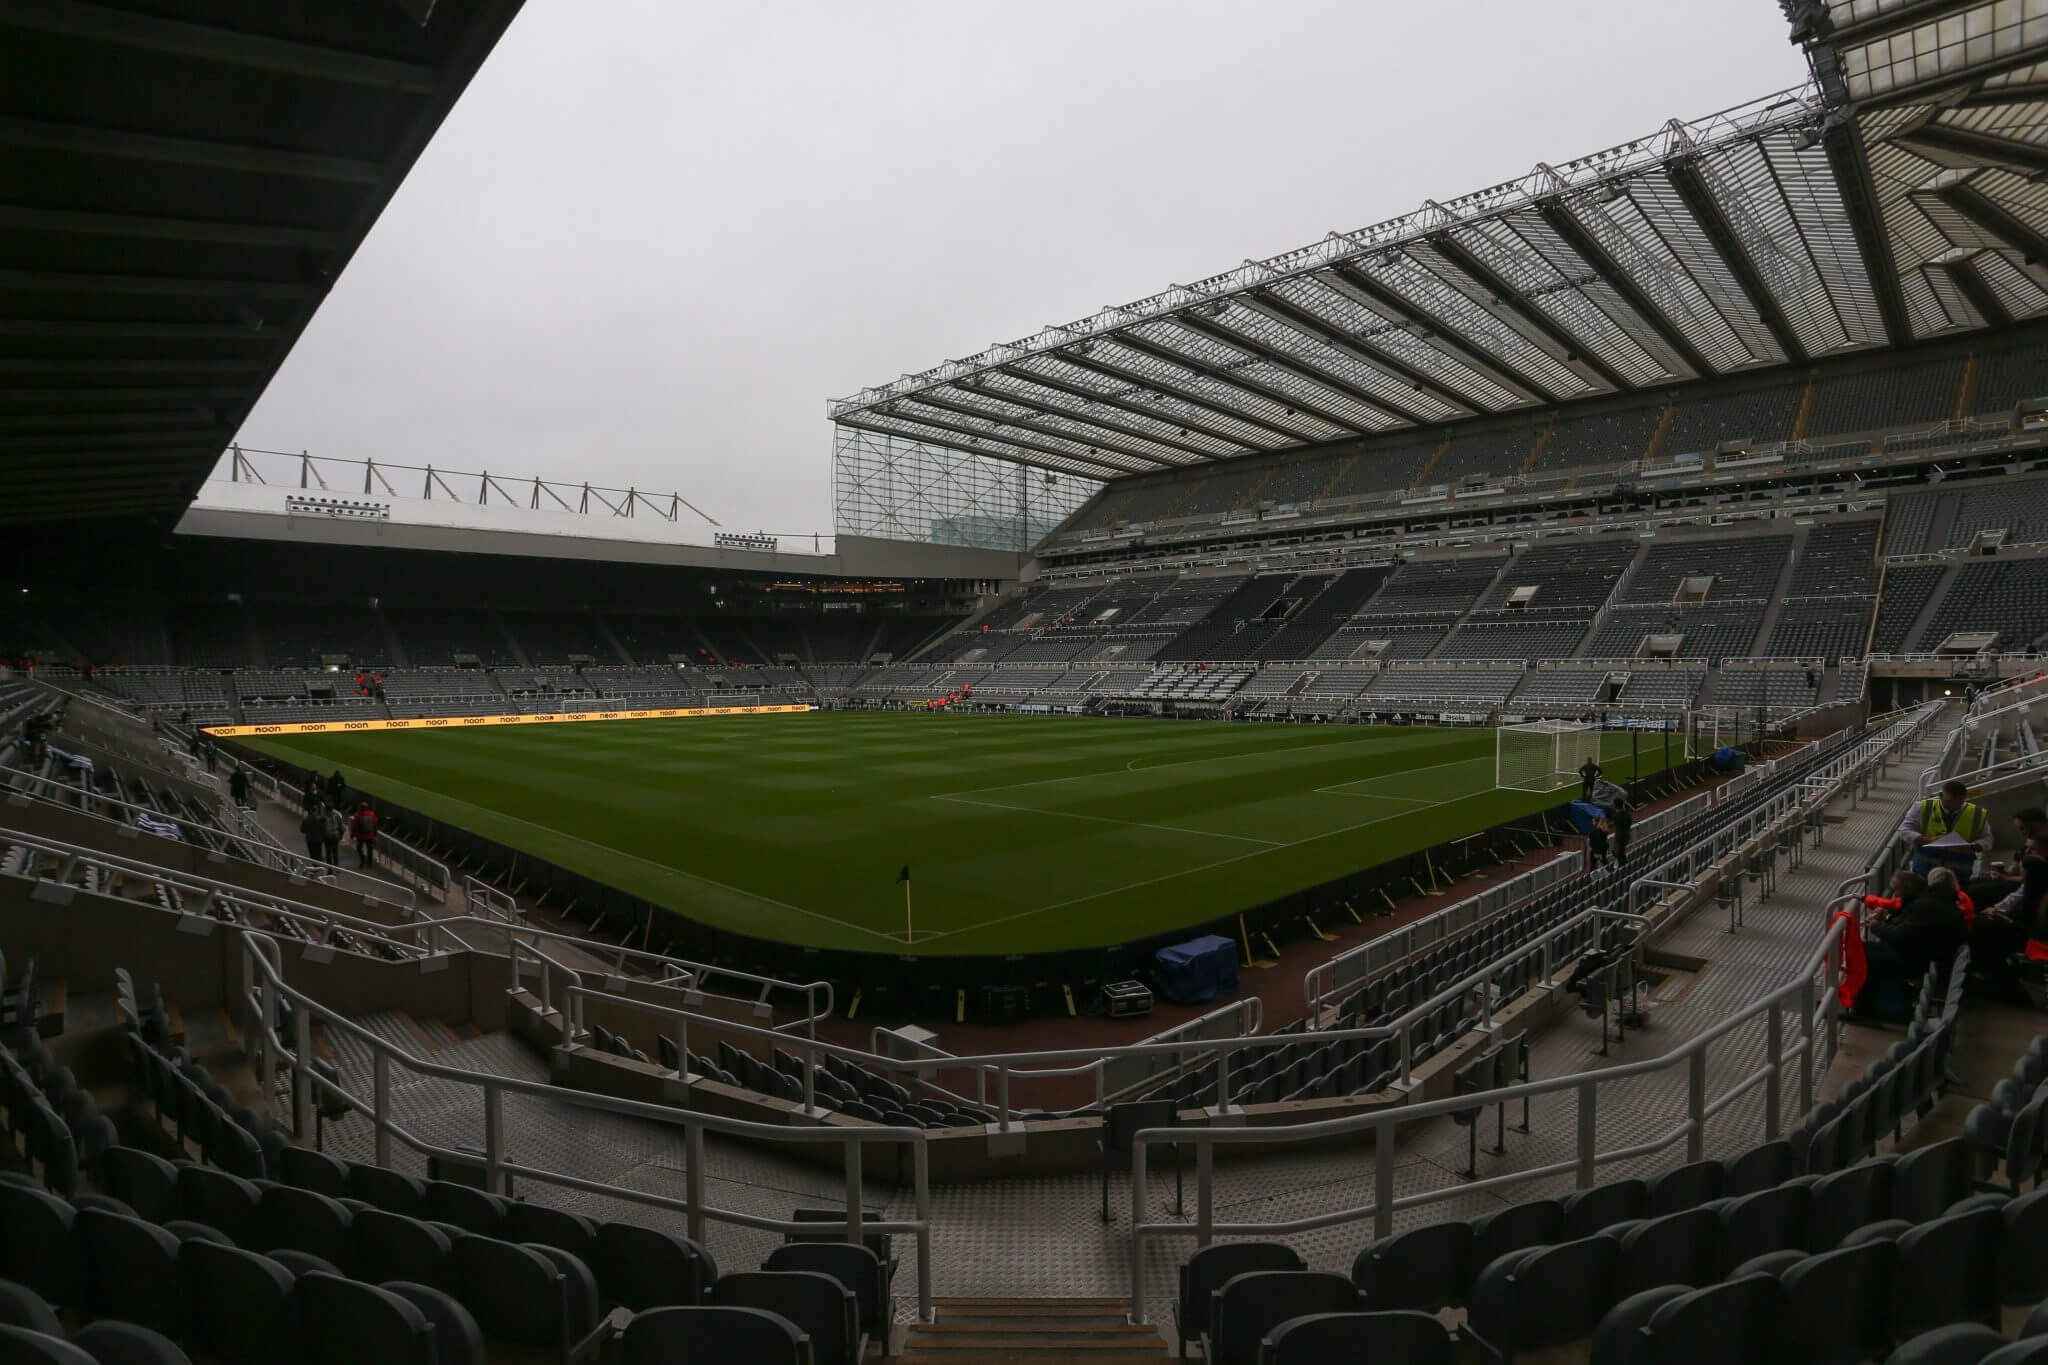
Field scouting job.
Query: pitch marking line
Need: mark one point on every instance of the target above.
(1110, 820)
(1190, 762)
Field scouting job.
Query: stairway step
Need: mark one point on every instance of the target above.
(1061, 1349)
(1034, 1305)
(999, 1324)
(1002, 1357)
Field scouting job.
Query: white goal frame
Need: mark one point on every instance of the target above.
(1543, 755)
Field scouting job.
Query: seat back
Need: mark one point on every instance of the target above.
(20, 1346)
(640, 1267)
(300, 1220)
(142, 1180)
(822, 1309)
(1838, 1204)
(1532, 1223)
(1250, 1305)
(573, 1233)
(21, 1306)
(238, 1304)
(225, 1201)
(1410, 1337)
(1617, 1201)
(664, 1336)
(390, 1246)
(392, 1191)
(129, 1270)
(1427, 1268)
(1213, 1266)
(1759, 1168)
(345, 1322)
(1925, 1182)
(307, 1169)
(125, 1343)
(1947, 1272)
(515, 1292)
(36, 1244)
(1729, 1321)
(457, 1338)
(1682, 1248)
(465, 1207)
(854, 1267)
(1769, 1220)
(1544, 1296)
(1835, 1307)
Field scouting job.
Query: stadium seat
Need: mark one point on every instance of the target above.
(21, 1306)
(854, 1267)
(1409, 1337)
(19, 1346)
(345, 1322)
(1958, 1343)
(1729, 1321)
(457, 1339)
(1211, 1267)
(1681, 1248)
(1835, 1308)
(1948, 1271)
(664, 1336)
(129, 1270)
(125, 1343)
(820, 1306)
(1542, 1297)
(1249, 1305)
(238, 1304)
(642, 1268)
(390, 1246)
(1428, 1268)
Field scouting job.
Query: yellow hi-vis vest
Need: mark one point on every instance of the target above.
(1934, 819)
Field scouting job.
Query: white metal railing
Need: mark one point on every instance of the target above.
(1819, 1030)
(267, 989)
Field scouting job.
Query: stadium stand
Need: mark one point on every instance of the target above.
(1897, 395)
(1761, 413)
(2006, 597)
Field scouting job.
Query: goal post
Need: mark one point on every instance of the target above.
(1543, 755)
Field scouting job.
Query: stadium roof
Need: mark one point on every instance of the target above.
(181, 181)
(1892, 199)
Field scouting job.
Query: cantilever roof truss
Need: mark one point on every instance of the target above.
(1794, 227)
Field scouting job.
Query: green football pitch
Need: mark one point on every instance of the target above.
(1024, 833)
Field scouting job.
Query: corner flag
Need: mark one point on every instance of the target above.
(909, 934)
(904, 875)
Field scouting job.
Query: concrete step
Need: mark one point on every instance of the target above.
(987, 1331)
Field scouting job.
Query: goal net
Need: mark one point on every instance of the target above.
(1544, 755)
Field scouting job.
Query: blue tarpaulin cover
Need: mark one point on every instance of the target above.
(1198, 970)
(1583, 814)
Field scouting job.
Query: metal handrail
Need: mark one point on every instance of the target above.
(263, 970)
(1383, 1125)
(431, 873)
(1845, 769)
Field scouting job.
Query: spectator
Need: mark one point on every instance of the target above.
(1948, 830)
(1621, 818)
(1589, 773)
(330, 835)
(315, 829)
(1900, 945)
(364, 827)
(212, 756)
(238, 786)
(337, 790)
(2002, 879)
(1596, 844)
(2003, 929)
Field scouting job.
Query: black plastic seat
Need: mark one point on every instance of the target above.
(2028, 1352)
(305, 1169)
(1408, 1337)
(1947, 1271)
(238, 1304)
(465, 1206)
(1759, 1168)
(641, 1267)
(346, 1322)
(1956, 1343)
(1729, 1321)
(126, 1343)
(36, 1246)
(1682, 1248)
(1588, 1211)
(21, 1306)
(1535, 1222)
(225, 1201)
(822, 1308)
(570, 1232)
(519, 1294)
(457, 1338)
(1840, 1203)
(1248, 1306)
(1926, 1182)
(1203, 1273)
(1428, 1268)
(1769, 1220)
(1542, 1297)
(293, 1219)
(1834, 1308)
(707, 1333)
(2026, 1225)
(19, 1346)
(855, 1267)
(391, 1246)
(128, 1269)
(143, 1181)
(1684, 1188)
(391, 1191)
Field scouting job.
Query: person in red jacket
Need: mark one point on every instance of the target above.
(363, 828)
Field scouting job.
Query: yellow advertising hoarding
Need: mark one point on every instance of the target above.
(342, 727)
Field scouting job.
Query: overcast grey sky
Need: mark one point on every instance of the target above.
(655, 236)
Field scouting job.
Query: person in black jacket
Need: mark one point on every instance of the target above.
(1621, 819)
(2003, 928)
(1900, 945)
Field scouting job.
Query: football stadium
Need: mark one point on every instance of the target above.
(1466, 791)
